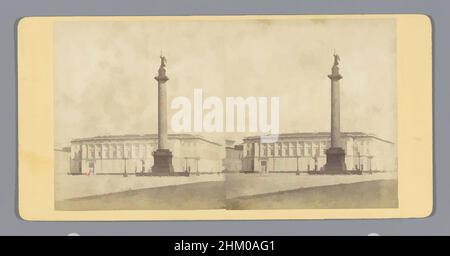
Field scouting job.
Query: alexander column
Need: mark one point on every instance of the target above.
(335, 154)
(162, 156)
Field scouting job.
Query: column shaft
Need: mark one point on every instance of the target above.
(162, 115)
(335, 114)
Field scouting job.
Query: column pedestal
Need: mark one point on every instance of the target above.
(335, 161)
(162, 163)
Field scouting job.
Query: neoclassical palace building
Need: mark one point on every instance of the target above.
(133, 153)
(298, 152)
(292, 152)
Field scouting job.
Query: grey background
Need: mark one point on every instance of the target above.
(11, 11)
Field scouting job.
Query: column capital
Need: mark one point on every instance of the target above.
(335, 77)
(162, 79)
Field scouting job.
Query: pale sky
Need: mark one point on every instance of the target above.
(103, 72)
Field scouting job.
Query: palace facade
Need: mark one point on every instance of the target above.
(233, 156)
(133, 153)
(299, 152)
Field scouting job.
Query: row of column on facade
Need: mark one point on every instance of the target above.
(313, 149)
(114, 151)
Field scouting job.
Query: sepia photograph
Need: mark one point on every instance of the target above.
(244, 114)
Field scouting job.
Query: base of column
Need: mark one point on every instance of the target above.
(162, 163)
(335, 161)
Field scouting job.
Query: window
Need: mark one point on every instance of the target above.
(141, 150)
(299, 150)
(128, 151)
(120, 151)
(91, 151)
(106, 150)
(149, 150)
(98, 151)
(135, 151)
(263, 150)
(114, 151)
(271, 151)
(250, 149)
(84, 152)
